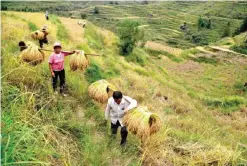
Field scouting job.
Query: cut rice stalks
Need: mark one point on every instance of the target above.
(78, 61)
(38, 35)
(32, 54)
(142, 123)
(101, 90)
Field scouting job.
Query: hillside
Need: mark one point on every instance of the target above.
(198, 93)
(160, 20)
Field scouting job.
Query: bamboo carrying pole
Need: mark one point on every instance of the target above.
(68, 52)
(63, 51)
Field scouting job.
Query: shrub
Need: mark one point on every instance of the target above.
(199, 38)
(129, 35)
(32, 26)
(227, 30)
(83, 16)
(205, 60)
(136, 57)
(4, 8)
(93, 73)
(201, 23)
(242, 28)
(229, 102)
(241, 49)
(96, 10)
(157, 54)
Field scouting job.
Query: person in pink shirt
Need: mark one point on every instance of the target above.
(56, 65)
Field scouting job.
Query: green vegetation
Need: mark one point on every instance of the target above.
(93, 73)
(198, 92)
(163, 18)
(96, 10)
(228, 103)
(62, 33)
(157, 54)
(32, 26)
(83, 16)
(203, 59)
(129, 35)
(242, 28)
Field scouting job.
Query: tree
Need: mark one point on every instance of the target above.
(145, 2)
(201, 23)
(83, 16)
(227, 30)
(209, 24)
(96, 10)
(129, 35)
(4, 8)
(242, 28)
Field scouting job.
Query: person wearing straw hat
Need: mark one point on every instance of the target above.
(56, 65)
(117, 106)
(44, 29)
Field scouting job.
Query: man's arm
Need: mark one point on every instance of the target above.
(107, 110)
(133, 103)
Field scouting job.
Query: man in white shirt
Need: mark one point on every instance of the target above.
(116, 107)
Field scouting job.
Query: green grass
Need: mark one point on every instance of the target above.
(62, 33)
(32, 26)
(207, 60)
(156, 53)
(228, 103)
(40, 128)
(95, 39)
(93, 73)
(137, 57)
(240, 49)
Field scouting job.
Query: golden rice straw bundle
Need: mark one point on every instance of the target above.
(142, 123)
(32, 54)
(78, 61)
(101, 90)
(38, 35)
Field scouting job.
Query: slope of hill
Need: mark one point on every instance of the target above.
(200, 98)
(163, 18)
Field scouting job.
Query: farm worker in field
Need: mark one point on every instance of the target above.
(22, 45)
(56, 65)
(44, 29)
(47, 15)
(117, 106)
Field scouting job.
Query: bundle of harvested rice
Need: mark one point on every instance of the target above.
(78, 61)
(39, 35)
(32, 54)
(101, 90)
(141, 122)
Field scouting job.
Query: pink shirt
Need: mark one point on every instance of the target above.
(57, 61)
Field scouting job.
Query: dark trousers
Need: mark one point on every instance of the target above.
(42, 41)
(61, 75)
(124, 132)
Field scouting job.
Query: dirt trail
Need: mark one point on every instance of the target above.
(160, 47)
(217, 48)
(72, 26)
(202, 49)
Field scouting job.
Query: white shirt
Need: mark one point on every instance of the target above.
(116, 112)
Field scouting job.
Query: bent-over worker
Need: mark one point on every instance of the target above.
(44, 40)
(117, 106)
